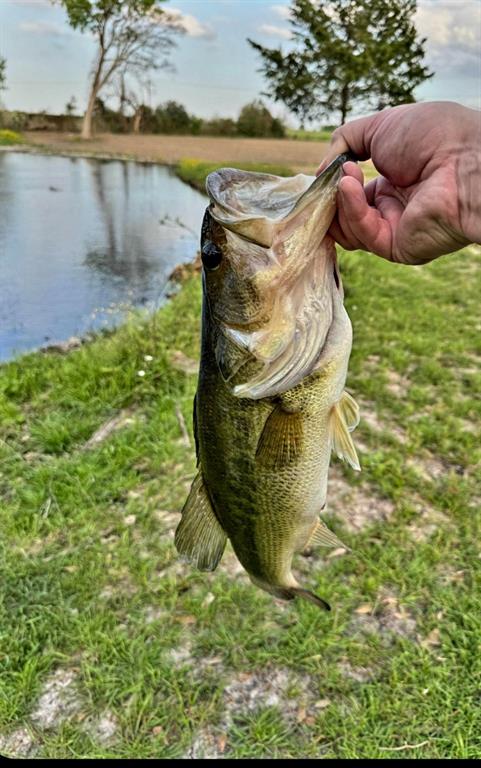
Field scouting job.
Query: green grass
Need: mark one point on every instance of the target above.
(10, 138)
(303, 135)
(194, 172)
(91, 583)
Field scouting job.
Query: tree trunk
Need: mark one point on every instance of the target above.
(137, 120)
(96, 84)
(123, 98)
(344, 103)
(87, 121)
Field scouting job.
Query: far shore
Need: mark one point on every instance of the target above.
(301, 156)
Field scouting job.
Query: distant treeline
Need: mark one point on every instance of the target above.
(170, 117)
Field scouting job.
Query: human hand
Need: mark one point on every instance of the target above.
(427, 202)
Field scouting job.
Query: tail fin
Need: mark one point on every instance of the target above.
(289, 593)
(299, 592)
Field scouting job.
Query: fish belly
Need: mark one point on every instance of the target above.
(268, 513)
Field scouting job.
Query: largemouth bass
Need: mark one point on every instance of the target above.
(270, 404)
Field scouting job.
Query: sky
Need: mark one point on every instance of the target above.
(215, 68)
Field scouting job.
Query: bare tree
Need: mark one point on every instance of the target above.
(129, 92)
(131, 35)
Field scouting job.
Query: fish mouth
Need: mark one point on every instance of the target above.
(289, 218)
(253, 204)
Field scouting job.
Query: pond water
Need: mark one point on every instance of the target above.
(83, 241)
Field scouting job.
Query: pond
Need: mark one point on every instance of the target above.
(84, 241)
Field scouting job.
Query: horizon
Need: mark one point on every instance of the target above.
(215, 66)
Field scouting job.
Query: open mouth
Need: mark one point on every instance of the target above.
(253, 205)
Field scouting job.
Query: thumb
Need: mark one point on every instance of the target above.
(355, 136)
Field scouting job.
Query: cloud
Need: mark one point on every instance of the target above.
(44, 29)
(452, 32)
(191, 26)
(274, 31)
(283, 11)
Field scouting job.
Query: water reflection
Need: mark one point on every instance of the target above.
(108, 236)
(110, 263)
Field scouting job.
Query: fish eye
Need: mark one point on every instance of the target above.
(211, 255)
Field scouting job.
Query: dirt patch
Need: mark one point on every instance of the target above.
(103, 729)
(153, 613)
(387, 618)
(123, 419)
(249, 692)
(451, 575)
(358, 674)
(429, 521)
(397, 384)
(58, 701)
(299, 155)
(168, 518)
(17, 744)
(181, 362)
(431, 468)
(356, 506)
(370, 418)
(181, 655)
(207, 745)
(62, 347)
(467, 426)
(182, 272)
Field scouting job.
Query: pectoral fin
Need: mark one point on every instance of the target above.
(350, 410)
(322, 536)
(199, 536)
(341, 441)
(281, 439)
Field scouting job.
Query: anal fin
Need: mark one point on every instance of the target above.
(200, 537)
(281, 439)
(324, 537)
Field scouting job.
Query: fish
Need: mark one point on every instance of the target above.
(271, 404)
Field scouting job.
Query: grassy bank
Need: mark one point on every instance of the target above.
(10, 138)
(112, 647)
(194, 171)
(300, 134)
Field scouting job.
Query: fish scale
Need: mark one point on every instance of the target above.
(265, 428)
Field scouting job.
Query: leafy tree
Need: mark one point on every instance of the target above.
(133, 35)
(172, 117)
(219, 126)
(346, 53)
(256, 120)
(3, 76)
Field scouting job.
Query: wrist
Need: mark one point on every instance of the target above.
(469, 186)
(468, 171)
